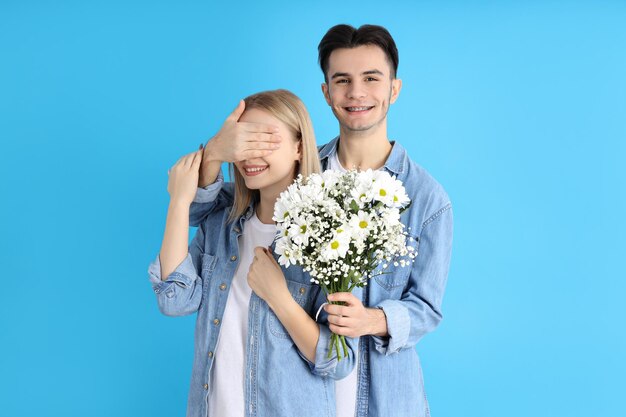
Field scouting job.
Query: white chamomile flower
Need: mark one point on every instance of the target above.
(383, 188)
(400, 197)
(281, 211)
(361, 224)
(285, 250)
(299, 231)
(338, 245)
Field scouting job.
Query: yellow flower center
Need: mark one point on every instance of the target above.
(362, 224)
(303, 228)
(382, 192)
(334, 245)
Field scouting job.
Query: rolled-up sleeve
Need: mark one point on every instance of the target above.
(331, 366)
(210, 198)
(209, 193)
(181, 292)
(418, 311)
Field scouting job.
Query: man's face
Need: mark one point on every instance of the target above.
(360, 88)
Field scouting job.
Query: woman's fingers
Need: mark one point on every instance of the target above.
(256, 154)
(197, 159)
(259, 127)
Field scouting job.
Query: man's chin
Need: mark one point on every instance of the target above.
(358, 128)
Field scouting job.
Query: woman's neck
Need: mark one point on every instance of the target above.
(265, 208)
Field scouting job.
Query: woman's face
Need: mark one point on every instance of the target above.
(272, 173)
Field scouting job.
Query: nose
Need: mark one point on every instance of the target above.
(357, 90)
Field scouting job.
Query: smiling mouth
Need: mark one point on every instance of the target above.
(255, 170)
(358, 109)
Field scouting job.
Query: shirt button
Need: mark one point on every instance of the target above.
(302, 290)
(233, 258)
(205, 386)
(223, 287)
(216, 321)
(210, 354)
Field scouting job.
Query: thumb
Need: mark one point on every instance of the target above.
(270, 254)
(236, 114)
(197, 159)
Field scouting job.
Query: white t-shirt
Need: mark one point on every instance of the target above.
(346, 388)
(226, 395)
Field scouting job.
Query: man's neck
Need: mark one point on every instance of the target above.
(363, 151)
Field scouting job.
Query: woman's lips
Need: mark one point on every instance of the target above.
(252, 171)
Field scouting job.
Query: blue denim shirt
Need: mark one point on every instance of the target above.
(390, 379)
(280, 381)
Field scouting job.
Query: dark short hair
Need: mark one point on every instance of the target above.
(346, 36)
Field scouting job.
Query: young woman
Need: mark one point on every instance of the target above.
(258, 351)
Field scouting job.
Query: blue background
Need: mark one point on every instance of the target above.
(519, 110)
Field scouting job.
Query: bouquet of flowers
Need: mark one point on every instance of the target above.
(340, 226)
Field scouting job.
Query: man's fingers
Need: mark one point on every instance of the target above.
(259, 127)
(342, 331)
(341, 321)
(236, 114)
(346, 297)
(336, 310)
(337, 330)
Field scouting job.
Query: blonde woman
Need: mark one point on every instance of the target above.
(258, 350)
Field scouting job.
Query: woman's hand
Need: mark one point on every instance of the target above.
(266, 278)
(237, 141)
(183, 178)
(268, 282)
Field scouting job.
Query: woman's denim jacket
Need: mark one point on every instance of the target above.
(389, 373)
(280, 381)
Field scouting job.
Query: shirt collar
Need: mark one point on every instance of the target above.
(395, 162)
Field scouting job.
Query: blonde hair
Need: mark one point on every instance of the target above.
(289, 109)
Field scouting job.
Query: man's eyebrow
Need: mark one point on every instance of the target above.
(368, 72)
(373, 72)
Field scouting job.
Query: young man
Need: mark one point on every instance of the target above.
(397, 309)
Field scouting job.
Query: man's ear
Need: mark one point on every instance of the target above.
(396, 86)
(325, 92)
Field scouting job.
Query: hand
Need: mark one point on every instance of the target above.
(238, 141)
(266, 278)
(354, 319)
(183, 178)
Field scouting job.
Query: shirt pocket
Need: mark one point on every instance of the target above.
(394, 277)
(303, 295)
(208, 264)
(206, 270)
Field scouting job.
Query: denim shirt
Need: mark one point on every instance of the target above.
(280, 381)
(390, 381)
